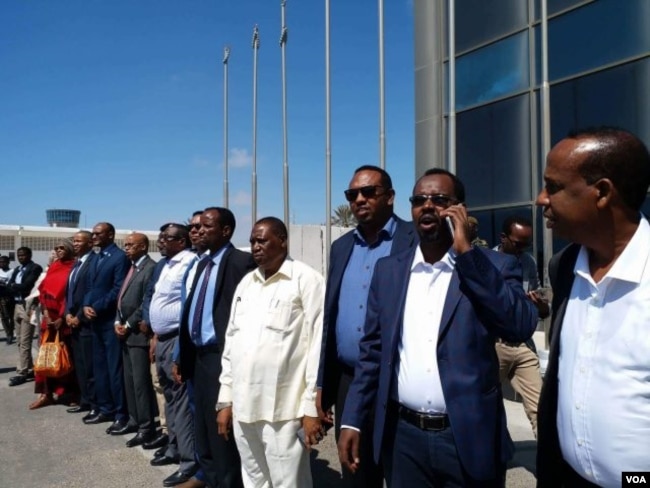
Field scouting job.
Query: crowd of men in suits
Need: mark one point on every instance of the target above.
(255, 356)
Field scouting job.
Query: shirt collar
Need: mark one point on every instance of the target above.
(178, 257)
(286, 270)
(631, 263)
(448, 260)
(385, 234)
(139, 261)
(216, 257)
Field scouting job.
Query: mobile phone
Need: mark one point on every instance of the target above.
(450, 224)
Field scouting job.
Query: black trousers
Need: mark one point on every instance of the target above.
(218, 458)
(369, 474)
(82, 353)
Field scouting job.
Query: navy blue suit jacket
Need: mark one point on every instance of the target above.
(104, 281)
(80, 287)
(485, 300)
(329, 370)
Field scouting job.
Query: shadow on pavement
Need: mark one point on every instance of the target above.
(526, 452)
(322, 473)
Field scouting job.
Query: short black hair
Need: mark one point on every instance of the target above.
(86, 233)
(511, 220)
(111, 227)
(226, 217)
(197, 212)
(459, 187)
(25, 250)
(386, 180)
(183, 232)
(277, 226)
(4, 258)
(620, 157)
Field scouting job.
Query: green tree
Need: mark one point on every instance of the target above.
(342, 217)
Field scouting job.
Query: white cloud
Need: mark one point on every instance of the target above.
(239, 158)
(201, 162)
(241, 199)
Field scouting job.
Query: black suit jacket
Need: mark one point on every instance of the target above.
(30, 274)
(130, 309)
(329, 370)
(234, 265)
(550, 464)
(80, 287)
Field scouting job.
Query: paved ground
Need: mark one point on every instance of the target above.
(54, 449)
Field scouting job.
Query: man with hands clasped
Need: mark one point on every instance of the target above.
(427, 362)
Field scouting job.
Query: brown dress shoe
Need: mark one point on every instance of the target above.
(41, 401)
(192, 483)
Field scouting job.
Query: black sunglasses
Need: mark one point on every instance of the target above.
(194, 226)
(366, 191)
(169, 238)
(439, 200)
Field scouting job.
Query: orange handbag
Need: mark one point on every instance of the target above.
(53, 359)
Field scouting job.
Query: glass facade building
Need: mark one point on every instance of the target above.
(61, 217)
(503, 111)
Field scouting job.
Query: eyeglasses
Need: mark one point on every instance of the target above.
(440, 200)
(369, 191)
(194, 226)
(169, 238)
(521, 245)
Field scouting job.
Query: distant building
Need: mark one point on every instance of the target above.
(63, 217)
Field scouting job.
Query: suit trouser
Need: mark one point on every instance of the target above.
(82, 354)
(272, 454)
(160, 397)
(24, 339)
(413, 457)
(369, 474)
(521, 366)
(180, 424)
(218, 458)
(109, 374)
(140, 398)
(7, 305)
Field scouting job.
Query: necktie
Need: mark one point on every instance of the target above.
(73, 280)
(129, 275)
(200, 299)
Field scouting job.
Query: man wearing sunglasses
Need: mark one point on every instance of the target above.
(379, 233)
(427, 364)
(518, 361)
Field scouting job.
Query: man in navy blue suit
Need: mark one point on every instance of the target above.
(427, 363)
(379, 233)
(100, 304)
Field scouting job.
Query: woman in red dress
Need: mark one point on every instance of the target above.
(52, 301)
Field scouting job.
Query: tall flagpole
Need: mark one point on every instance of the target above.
(328, 141)
(382, 101)
(452, 87)
(256, 46)
(285, 146)
(226, 55)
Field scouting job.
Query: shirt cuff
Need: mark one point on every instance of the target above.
(350, 427)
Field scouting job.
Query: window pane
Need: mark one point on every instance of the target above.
(493, 152)
(599, 33)
(554, 6)
(617, 96)
(478, 21)
(493, 71)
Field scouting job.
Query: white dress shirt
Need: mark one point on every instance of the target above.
(418, 379)
(603, 415)
(273, 342)
(165, 309)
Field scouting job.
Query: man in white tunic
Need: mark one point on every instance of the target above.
(270, 363)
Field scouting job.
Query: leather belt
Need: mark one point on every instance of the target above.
(424, 421)
(510, 344)
(166, 337)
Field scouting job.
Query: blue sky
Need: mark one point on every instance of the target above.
(115, 108)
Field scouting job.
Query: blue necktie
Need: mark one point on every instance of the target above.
(200, 299)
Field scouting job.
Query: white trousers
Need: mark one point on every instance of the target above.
(272, 456)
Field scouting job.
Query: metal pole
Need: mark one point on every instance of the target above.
(226, 55)
(328, 141)
(285, 144)
(256, 46)
(382, 101)
(547, 236)
(452, 86)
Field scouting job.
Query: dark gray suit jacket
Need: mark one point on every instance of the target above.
(130, 309)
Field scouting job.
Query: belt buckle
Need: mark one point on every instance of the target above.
(421, 422)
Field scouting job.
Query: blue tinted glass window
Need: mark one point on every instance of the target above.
(493, 152)
(599, 33)
(554, 6)
(478, 21)
(493, 71)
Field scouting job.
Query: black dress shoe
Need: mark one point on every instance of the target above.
(17, 380)
(160, 452)
(139, 439)
(98, 419)
(163, 461)
(157, 442)
(92, 413)
(177, 478)
(78, 409)
(10, 340)
(121, 427)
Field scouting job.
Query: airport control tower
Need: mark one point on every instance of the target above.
(63, 217)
